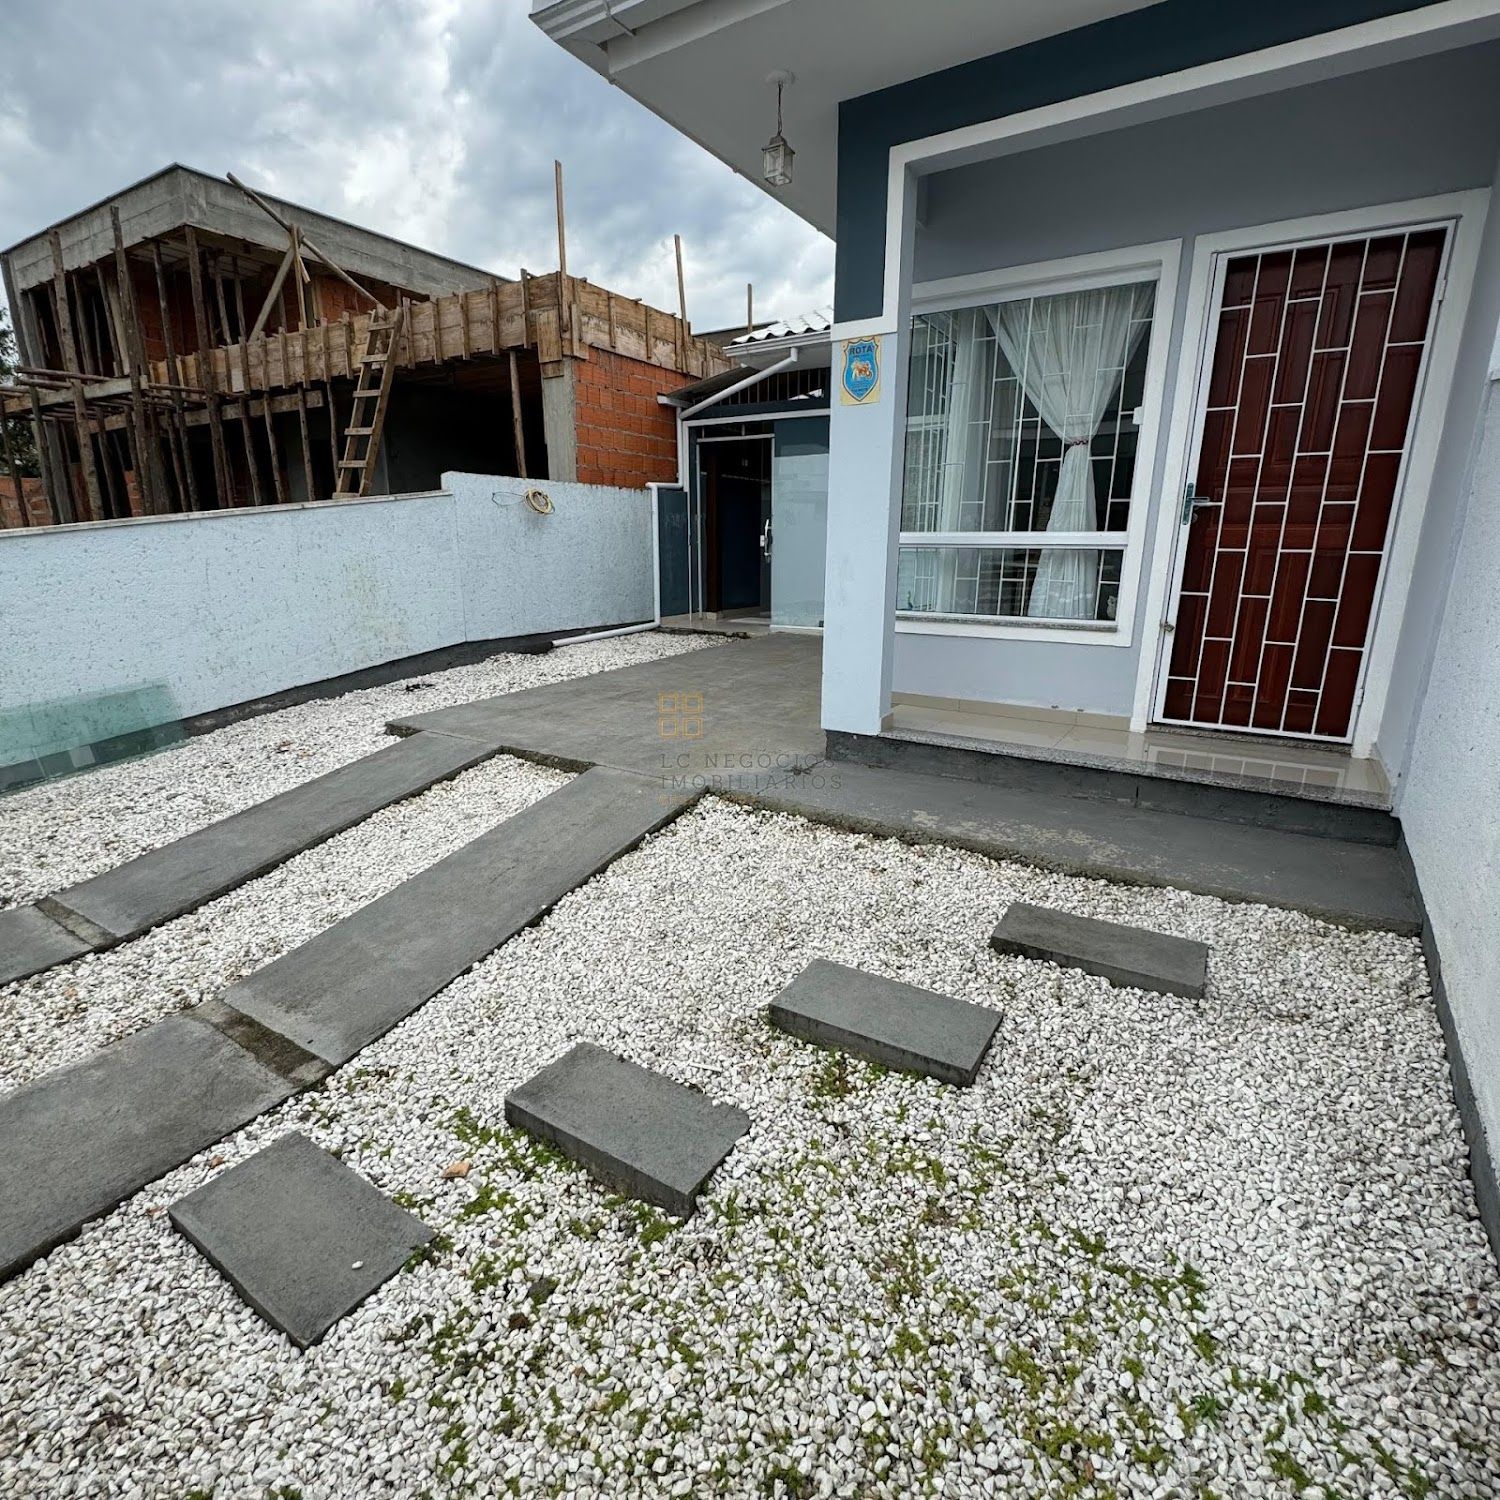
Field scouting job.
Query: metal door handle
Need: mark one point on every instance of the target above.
(1192, 500)
(765, 538)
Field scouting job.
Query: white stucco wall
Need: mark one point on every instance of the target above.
(1317, 149)
(209, 610)
(1449, 801)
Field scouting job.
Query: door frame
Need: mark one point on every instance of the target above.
(705, 536)
(1466, 211)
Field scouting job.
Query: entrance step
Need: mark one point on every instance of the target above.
(1355, 884)
(164, 883)
(352, 983)
(636, 1131)
(302, 1238)
(904, 1027)
(1311, 809)
(82, 1140)
(1132, 956)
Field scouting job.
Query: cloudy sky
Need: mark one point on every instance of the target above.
(433, 120)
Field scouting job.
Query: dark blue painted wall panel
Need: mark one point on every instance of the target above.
(672, 548)
(1163, 38)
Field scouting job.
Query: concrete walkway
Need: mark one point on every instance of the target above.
(81, 1140)
(759, 741)
(745, 713)
(164, 883)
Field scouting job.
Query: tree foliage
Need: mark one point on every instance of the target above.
(22, 443)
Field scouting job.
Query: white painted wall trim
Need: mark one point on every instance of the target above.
(1159, 262)
(1466, 211)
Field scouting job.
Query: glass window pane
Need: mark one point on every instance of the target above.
(1021, 413)
(1018, 583)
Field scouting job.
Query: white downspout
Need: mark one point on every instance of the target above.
(754, 378)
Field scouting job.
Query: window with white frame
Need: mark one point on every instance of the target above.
(1021, 439)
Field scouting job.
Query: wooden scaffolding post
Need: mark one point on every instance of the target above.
(309, 483)
(682, 318)
(59, 501)
(117, 505)
(182, 457)
(515, 415)
(278, 484)
(206, 377)
(562, 252)
(144, 443)
(246, 433)
(72, 362)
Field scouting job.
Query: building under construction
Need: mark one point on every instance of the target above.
(190, 344)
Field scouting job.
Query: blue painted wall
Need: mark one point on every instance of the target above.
(1163, 38)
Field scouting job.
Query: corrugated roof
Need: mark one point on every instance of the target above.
(819, 320)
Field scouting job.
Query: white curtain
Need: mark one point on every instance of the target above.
(1069, 353)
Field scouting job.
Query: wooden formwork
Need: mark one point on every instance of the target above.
(493, 320)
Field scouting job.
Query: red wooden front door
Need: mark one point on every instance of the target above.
(1315, 368)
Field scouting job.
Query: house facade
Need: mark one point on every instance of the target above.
(1162, 376)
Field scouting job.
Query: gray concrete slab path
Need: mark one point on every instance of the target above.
(164, 883)
(340, 990)
(1355, 885)
(81, 1140)
(741, 714)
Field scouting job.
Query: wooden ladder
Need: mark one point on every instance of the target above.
(372, 393)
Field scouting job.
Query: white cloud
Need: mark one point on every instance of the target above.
(436, 122)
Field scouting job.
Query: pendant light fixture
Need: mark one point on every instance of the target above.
(776, 156)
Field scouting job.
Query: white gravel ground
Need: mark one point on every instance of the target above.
(61, 832)
(1163, 1248)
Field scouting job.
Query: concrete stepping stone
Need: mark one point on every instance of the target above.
(302, 1238)
(79, 1141)
(336, 993)
(1131, 956)
(31, 941)
(636, 1131)
(164, 883)
(904, 1027)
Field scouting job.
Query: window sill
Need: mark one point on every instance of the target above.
(981, 627)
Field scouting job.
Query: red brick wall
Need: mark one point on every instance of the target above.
(625, 435)
(34, 495)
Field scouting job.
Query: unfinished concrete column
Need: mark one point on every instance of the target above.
(560, 418)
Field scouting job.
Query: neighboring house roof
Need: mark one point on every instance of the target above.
(810, 325)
